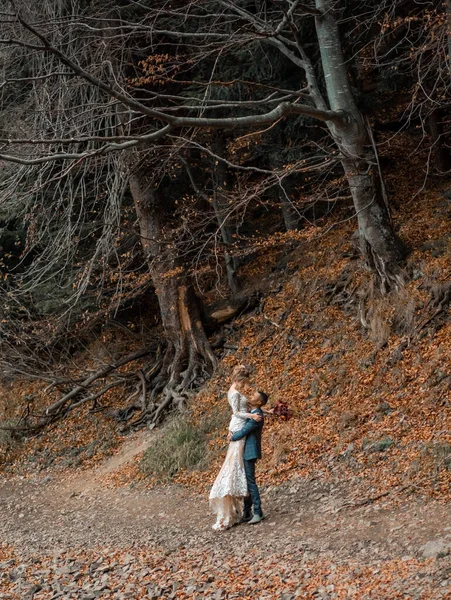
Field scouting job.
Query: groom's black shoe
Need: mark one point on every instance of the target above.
(246, 517)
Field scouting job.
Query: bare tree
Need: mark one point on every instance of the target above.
(218, 28)
(107, 88)
(410, 57)
(189, 358)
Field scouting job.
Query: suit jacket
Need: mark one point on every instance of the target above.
(252, 431)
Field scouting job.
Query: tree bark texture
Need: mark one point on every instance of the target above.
(290, 216)
(440, 152)
(382, 249)
(221, 206)
(189, 359)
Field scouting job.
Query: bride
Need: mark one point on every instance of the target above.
(230, 486)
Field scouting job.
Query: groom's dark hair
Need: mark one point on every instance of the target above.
(264, 398)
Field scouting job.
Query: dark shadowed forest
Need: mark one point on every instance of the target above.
(190, 185)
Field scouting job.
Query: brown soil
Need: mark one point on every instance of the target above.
(309, 522)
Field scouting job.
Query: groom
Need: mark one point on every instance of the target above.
(252, 431)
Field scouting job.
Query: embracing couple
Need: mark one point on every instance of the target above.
(235, 497)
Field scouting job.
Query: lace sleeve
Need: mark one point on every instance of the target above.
(235, 404)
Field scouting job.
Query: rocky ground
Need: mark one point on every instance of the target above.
(76, 538)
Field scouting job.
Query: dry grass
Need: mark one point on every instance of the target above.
(9, 441)
(437, 456)
(183, 446)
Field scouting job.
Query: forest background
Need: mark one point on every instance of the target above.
(190, 185)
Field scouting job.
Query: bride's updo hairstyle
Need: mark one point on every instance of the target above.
(240, 373)
(240, 378)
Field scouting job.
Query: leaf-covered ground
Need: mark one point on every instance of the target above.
(368, 380)
(77, 539)
(369, 403)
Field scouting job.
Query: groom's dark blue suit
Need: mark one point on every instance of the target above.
(252, 431)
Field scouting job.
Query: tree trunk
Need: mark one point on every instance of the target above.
(448, 30)
(289, 213)
(440, 153)
(383, 250)
(189, 359)
(221, 185)
(285, 190)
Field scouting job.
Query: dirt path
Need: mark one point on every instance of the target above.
(307, 522)
(309, 515)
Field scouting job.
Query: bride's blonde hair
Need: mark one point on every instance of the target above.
(239, 373)
(240, 378)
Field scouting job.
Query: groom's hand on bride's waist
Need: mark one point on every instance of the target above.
(229, 436)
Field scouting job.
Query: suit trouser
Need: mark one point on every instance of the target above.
(254, 493)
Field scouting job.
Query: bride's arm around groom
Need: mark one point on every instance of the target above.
(252, 431)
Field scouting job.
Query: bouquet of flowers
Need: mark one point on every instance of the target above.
(282, 410)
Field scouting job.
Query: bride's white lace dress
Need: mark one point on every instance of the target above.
(230, 486)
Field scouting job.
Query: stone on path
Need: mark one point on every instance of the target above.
(436, 548)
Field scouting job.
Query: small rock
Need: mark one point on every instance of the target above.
(435, 549)
(65, 570)
(384, 408)
(33, 590)
(104, 569)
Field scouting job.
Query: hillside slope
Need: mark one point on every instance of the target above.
(366, 377)
(356, 483)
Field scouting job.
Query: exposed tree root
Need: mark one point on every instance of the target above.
(185, 365)
(343, 291)
(164, 385)
(101, 373)
(372, 499)
(437, 305)
(177, 376)
(387, 272)
(31, 423)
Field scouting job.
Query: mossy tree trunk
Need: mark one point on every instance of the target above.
(381, 247)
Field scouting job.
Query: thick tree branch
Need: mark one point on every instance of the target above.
(282, 110)
(212, 103)
(152, 137)
(309, 10)
(105, 370)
